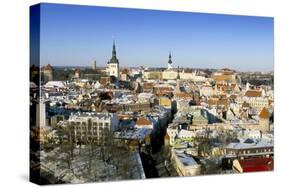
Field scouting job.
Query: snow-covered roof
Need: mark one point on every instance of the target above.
(244, 145)
(145, 95)
(133, 134)
(55, 84)
(186, 160)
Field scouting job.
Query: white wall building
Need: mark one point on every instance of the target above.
(95, 127)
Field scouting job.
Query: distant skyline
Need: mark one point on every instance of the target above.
(74, 35)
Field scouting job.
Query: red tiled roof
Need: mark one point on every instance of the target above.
(143, 121)
(163, 89)
(148, 85)
(124, 116)
(212, 102)
(257, 164)
(253, 93)
(183, 95)
(223, 102)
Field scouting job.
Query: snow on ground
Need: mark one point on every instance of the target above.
(88, 166)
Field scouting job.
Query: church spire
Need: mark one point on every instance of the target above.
(113, 50)
(170, 61)
(114, 56)
(170, 58)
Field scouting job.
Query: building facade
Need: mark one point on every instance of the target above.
(92, 127)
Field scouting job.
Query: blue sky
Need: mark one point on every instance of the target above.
(76, 35)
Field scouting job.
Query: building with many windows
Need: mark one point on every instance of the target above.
(92, 127)
(255, 98)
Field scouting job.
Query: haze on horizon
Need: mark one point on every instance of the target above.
(74, 35)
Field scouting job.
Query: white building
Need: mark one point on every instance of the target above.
(207, 90)
(255, 98)
(41, 114)
(88, 127)
(170, 66)
(185, 164)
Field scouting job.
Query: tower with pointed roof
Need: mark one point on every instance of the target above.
(112, 68)
(170, 62)
(264, 120)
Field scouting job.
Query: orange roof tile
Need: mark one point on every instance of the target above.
(264, 113)
(183, 95)
(222, 77)
(253, 93)
(148, 85)
(212, 102)
(143, 121)
(256, 164)
(223, 102)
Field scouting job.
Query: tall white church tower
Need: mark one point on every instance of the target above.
(170, 62)
(112, 68)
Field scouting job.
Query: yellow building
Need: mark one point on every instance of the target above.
(165, 101)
